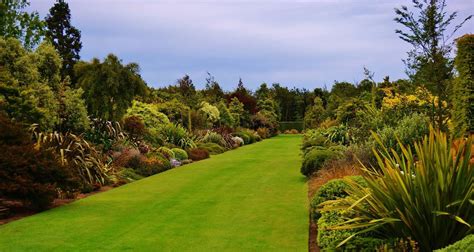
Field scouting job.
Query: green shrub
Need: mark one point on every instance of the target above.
(466, 244)
(314, 138)
(149, 113)
(176, 135)
(244, 137)
(212, 148)
(315, 159)
(129, 175)
(409, 130)
(332, 190)
(166, 152)
(213, 137)
(180, 154)
(197, 154)
(428, 199)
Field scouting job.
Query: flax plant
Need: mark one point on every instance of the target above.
(425, 195)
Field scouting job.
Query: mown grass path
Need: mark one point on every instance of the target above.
(252, 198)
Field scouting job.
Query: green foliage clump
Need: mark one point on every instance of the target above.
(212, 148)
(314, 138)
(153, 119)
(249, 136)
(129, 174)
(213, 137)
(463, 87)
(329, 239)
(176, 135)
(466, 244)
(316, 158)
(412, 192)
(236, 109)
(226, 117)
(166, 152)
(409, 130)
(180, 154)
(315, 114)
(211, 112)
(73, 114)
(332, 190)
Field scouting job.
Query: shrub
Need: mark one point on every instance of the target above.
(212, 148)
(149, 166)
(180, 154)
(315, 158)
(28, 174)
(314, 138)
(79, 155)
(246, 138)
(409, 130)
(105, 133)
(150, 115)
(166, 152)
(466, 244)
(176, 135)
(263, 132)
(328, 239)
(197, 154)
(213, 137)
(428, 199)
(152, 163)
(32, 176)
(332, 190)
(134, 126)
(129, 175)
(249, 136)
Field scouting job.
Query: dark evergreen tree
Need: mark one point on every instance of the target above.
(65, 37)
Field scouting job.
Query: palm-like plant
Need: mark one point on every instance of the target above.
(79, 154)
(426, 195)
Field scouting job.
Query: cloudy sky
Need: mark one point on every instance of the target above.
(296, 43)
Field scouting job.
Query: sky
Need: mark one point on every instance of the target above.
(304, 44)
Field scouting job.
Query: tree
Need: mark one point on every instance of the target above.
(262, 92)
(213, 92)
(226, 118)
(26, 88)
(65, 37)
(188, 91)
(73, 112)
(237, 110)
(428, 31)
(463, 89)
(15, 22)
(315, 115)
(109, 86)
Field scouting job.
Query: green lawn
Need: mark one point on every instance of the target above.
(252, 198)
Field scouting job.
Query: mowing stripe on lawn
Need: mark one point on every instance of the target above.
(252, 198)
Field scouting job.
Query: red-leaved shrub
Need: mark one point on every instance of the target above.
(197, 154)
